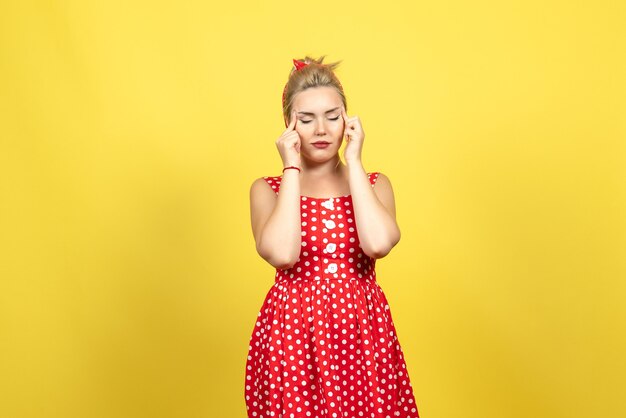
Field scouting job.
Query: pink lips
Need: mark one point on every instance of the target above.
(321, 144)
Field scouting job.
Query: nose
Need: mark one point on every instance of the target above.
(320, 129)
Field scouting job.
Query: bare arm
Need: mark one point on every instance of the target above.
(276, 220)
(374, 212)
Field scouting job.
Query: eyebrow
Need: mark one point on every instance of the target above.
(313, 114)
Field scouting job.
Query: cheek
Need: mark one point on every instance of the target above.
(338, 127)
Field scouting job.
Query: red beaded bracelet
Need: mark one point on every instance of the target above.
(291, 166)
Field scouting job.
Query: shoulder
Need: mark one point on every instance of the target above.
(384, 192)
(265, 186)
(379, 180)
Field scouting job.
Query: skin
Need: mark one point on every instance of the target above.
(276, 222)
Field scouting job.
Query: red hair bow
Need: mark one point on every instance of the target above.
(299, 65)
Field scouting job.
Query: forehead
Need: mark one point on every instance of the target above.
(317, 100)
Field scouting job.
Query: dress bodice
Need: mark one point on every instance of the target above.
(330, 243)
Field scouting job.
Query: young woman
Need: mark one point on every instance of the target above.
(324, 343)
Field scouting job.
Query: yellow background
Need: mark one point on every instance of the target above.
(130, 134)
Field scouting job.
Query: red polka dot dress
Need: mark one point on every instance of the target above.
(324, 343)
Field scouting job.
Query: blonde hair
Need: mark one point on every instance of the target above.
(315, 74)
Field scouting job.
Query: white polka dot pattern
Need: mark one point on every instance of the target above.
(324, 343)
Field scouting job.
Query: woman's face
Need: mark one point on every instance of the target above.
(318, 110)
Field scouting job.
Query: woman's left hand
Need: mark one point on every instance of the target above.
(354, 135)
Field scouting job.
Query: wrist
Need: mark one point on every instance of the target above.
(354, 163)
(292, 167)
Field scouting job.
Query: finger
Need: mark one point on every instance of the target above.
(292, 122)
(348, 122)
(344, 115)
(294, 137)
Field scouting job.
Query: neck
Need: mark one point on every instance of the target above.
(330, 168)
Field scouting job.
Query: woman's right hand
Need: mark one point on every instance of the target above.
(288, 144)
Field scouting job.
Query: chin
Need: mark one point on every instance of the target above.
(319, 156)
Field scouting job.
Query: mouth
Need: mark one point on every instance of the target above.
(321, 142)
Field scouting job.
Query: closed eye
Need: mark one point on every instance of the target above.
(308, 121)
